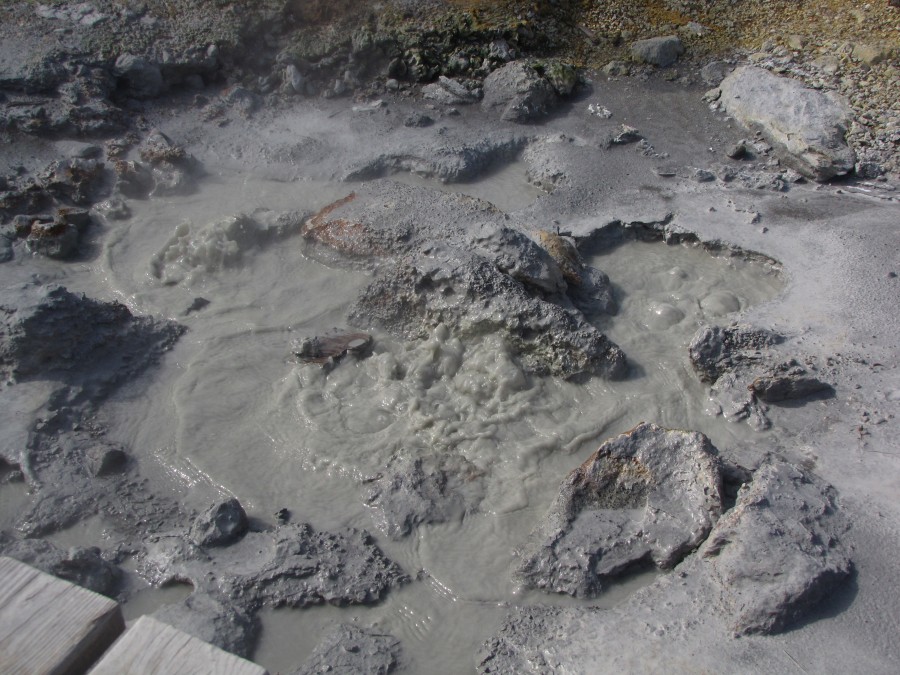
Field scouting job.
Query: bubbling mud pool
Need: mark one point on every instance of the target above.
(230, 410)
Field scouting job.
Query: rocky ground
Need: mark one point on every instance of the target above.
(754, 542)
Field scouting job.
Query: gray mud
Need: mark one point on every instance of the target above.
(539, 300)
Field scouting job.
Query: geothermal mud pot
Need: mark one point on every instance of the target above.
(446, 386)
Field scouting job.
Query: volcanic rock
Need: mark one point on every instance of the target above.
(649, 495)
(518, 92)
(807, 127)
(777, 552)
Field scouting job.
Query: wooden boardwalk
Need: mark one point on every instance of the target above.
(52, 627)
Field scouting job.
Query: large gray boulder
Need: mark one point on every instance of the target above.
(659, 51)
(650, 495)
(777, 552)
(806, 127)
(518, 92)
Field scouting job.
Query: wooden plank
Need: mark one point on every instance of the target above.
(151, 647)
(49, 626)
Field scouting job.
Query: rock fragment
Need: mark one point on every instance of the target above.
(777, 552)
(651, 495)
(215, 621)
(221, 524)
(292, 565)
(659, 51)
(518, 93)
(351, 649)
(82, 566)
(449, 92)
(808, 128)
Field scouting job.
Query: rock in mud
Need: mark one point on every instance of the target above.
(787, 382)
(411, 492)
(807, 127)
(78, 181)
(518, 93)
(82, 566)
(746, 372)
(328, 349)
(48, 332)
(449, 92)
(777, 551)
(138, 77)
(651, 495)
(215, 621)
(220, 525)
(351, 649)
(715, 350)
(105, 461)
(521, 258)
(457, 268)
(659, 51)
(292, 565)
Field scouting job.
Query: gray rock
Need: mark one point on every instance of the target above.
(82, 566)
(659, 51)
(76, 180)
(290, 566)
(518, 93)
(351, 650)
(786, 382)
(220, 525)
(105, 461)
(518, 256)
(429, 274)
(418, 120)
(215, 621)
(48, 332)
(294, 80)
(715, 349)
(777, 552)
(138, 77)
(649, 495)
(411, 492)
(449, 92)
(54, 240)
(714, 72)
(806, 127)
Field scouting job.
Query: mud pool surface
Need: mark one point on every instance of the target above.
(230, 410)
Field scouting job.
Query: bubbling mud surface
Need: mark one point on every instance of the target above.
(231, 410)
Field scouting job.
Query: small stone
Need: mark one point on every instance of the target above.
(106, 461)
(220, 525)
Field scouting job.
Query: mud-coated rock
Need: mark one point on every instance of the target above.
(80, 565)
(515, 254)
(806, 127)
(518, 93)
(49, 332)
(138, 77)
(220, 525)
(215, 621)
(351, 649)
(659, 51)
(651, 495)
(449, 92)
(778, 551)
(415, 491)
(788, 381)
(292, 565)
(716, 349)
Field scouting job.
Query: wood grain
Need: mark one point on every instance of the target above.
(151, 647)
(49, 626)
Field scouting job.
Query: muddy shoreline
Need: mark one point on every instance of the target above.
(789, 559)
